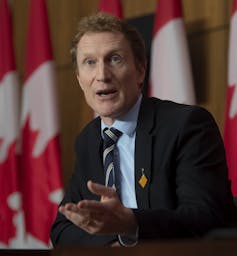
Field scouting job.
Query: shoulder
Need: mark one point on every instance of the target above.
(170, 116)
(169, 110)
(89, 133)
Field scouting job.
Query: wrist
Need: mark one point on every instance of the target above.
(129, 240)
(131, 225)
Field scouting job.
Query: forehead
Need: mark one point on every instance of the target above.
(103, 42)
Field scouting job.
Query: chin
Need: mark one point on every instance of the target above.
(107, 112)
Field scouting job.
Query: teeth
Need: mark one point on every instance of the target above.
(105, 93)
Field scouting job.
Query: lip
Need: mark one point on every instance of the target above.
(107, 94)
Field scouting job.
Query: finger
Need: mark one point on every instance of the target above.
(90, 205)
(68, 206)
(101, 190)
(79, 217)
(71, 206)
(88, 220)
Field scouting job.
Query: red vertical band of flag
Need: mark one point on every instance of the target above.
(111, 6)
(234, 9)
(41, 182)
(170, 10)
(170, 73)
(230, 138)
(7, 57)
(10, 222)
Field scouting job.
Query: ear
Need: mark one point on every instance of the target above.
(78, 80)
(141, 72)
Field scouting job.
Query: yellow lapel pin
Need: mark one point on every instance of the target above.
(143, 180)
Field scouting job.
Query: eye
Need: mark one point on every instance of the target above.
(89, 62)
(115, 59)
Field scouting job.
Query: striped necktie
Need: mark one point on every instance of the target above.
(110, 138)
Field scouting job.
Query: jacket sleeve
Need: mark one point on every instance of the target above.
(202, 191)
(64, 232)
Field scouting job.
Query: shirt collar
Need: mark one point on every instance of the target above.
(126, 123)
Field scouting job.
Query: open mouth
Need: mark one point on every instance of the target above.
(104, 93)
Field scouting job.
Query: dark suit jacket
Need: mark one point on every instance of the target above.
(181, 151)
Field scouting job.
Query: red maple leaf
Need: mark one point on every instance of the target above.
(8, 185)
(39, 177)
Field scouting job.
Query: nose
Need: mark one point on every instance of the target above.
(103, 73)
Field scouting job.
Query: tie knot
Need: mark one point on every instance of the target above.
(111, 135)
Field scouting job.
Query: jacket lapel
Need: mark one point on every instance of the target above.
(96, 153)
(143, 153)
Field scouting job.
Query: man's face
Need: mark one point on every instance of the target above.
(107, 74)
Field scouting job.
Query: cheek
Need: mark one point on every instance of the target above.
(127, 76)
(131, 79)
(83, 82)
(140, 75)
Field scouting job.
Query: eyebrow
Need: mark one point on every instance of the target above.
(113, 51)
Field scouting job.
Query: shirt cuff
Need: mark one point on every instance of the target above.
(129, 241)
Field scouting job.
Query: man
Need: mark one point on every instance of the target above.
(168, 171)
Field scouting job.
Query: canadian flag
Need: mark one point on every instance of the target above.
(111, 6)
(230, 130)
(11, 216)
(41, 182)
(170, 74)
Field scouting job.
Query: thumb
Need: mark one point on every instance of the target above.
(101, 190)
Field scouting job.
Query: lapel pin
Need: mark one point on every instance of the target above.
(143, 180)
